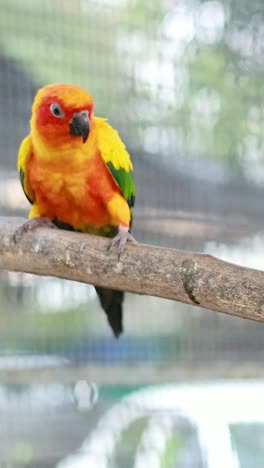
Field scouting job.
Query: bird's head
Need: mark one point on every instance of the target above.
(62, 114)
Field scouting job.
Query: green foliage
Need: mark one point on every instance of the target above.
(126, 447)
(141, 15)
(221, 129)
(166, 90)
(55, 44)
(173, 444)
(43, 332)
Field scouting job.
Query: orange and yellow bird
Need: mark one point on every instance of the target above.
(77, 174)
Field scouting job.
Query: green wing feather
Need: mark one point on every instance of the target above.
(24, 154)
(116, 156)
(126, 183)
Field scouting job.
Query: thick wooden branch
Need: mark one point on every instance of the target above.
(197, 279)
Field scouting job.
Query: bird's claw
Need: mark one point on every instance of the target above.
(123, 236)
(31, 225)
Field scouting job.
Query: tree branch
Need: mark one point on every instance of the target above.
(183, 276)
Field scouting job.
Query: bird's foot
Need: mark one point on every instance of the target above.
(31, 225)
(123, 236)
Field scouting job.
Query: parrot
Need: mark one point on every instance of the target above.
(78, 175)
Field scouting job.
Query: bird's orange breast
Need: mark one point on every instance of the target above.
(77, 193)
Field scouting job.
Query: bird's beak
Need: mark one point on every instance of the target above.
(80, 125)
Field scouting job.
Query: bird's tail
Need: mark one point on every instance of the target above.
(111, 301)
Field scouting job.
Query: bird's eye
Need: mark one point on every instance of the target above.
(56, 110)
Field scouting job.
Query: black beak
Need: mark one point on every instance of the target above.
(80, 125)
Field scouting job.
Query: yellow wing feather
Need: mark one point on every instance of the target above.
(111, 146)
(24, 154)
(117, 159)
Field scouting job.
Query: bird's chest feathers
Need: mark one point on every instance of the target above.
(74, 194)
(60, 186)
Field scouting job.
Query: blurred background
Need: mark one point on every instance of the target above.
(182, 81)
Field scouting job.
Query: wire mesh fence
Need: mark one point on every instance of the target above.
(183, 83)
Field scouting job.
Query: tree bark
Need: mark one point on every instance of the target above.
(193, 278)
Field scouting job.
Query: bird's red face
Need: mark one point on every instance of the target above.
(62, 114)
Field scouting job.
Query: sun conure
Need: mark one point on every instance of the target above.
(76, 172)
